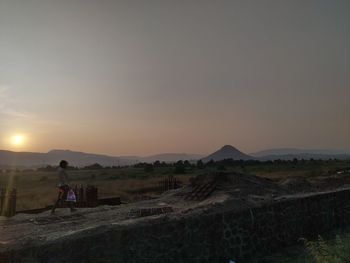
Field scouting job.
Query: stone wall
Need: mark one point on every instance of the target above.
(217, 236)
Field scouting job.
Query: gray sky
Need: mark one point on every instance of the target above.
(143, 77)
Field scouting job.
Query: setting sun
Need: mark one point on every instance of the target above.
(18, 140)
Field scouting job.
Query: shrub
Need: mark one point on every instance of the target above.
(323, 252)
(200, 164)
(179, 169)
(149, 168)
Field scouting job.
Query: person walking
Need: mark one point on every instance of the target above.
(63, 188)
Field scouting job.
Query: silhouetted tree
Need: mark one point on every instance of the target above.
(157, 164)
(95, 166)
(180, 162)
(187, 163)
(210, 163)
(149, 168)
(200, 164)
(180, 168)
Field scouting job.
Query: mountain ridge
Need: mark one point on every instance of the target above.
(79, 158)
(288, 151)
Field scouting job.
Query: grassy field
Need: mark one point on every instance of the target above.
(37, 189)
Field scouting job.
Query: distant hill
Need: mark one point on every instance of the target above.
(12, 159)
(30, 159)
(33, 159)
(305, 156)
(227, 152)
(296, 151)
(292, 153)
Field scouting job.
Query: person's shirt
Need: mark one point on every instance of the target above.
(62, 177)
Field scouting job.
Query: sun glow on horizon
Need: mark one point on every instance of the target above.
(18, 140)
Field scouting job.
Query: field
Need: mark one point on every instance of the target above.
(37, 188)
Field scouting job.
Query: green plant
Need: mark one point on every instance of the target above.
(323, 252)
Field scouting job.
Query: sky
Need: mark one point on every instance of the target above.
(144, 77)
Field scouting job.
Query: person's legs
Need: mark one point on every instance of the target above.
(71, 206)
(57, 201)
(62, 197)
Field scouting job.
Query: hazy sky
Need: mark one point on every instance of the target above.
(144, 77)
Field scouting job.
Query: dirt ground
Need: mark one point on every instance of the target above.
(246, 190)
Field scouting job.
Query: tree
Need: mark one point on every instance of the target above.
(179, 162)
(210, 163)
(200, 164)
(157, 164)
(180, 168)
(187, 163)
(95, 166)
(149, 168)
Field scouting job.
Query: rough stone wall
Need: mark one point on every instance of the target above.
(214, 237)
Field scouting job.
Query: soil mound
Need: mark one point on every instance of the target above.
(297, 184)
(241, 184)
(332, 182)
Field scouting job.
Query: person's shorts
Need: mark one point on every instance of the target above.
(62, 192)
